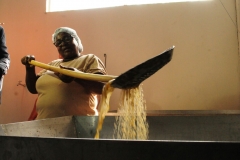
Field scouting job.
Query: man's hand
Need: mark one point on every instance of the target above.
(65, 78)
(26, 59)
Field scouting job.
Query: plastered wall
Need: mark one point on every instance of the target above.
(203, 74)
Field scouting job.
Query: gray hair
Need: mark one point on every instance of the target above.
(70, 31)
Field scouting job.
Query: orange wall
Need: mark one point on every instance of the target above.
(203, 74)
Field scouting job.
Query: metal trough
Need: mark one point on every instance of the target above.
(178, 125)
(185, 134)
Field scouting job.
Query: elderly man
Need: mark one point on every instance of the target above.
(4, 58)
(61, 95)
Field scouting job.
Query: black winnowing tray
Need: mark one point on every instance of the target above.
(133, 77)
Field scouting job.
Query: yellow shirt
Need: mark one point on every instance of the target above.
(56, 98)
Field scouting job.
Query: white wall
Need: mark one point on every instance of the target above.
(203, 74)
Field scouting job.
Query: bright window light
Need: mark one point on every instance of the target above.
(64, 5)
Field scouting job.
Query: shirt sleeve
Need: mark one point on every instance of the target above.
(95, 65)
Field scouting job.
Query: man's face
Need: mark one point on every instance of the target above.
(66, 45)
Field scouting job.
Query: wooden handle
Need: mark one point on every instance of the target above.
(75, 74)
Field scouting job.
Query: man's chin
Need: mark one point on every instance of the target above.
(66, 54)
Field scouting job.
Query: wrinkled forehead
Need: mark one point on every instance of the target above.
(60, 35)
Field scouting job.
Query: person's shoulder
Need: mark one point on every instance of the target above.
(90, 56)
(56, 61)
